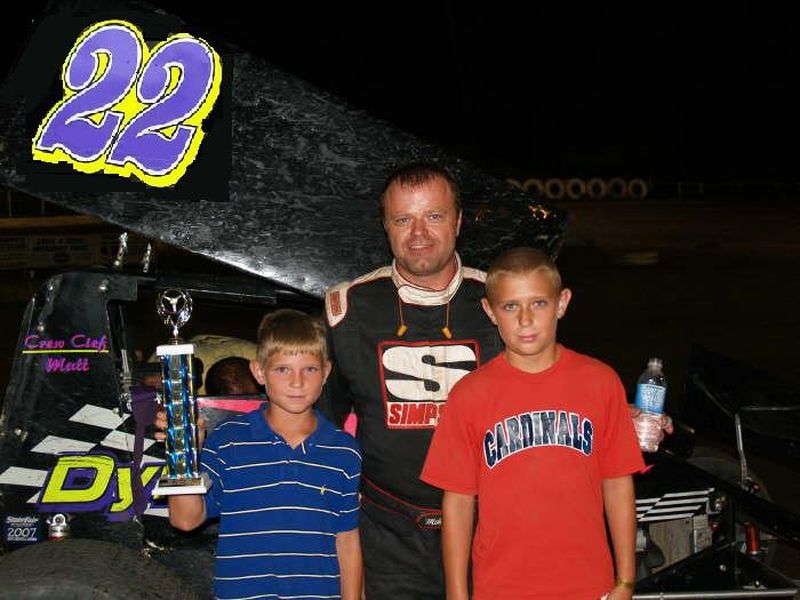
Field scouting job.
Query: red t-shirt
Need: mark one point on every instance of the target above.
(535, 448)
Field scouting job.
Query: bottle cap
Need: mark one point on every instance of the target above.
(654, 363)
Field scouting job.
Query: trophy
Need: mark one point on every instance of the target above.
(181, 473)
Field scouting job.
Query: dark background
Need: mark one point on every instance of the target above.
(674, 91)
(703, 90)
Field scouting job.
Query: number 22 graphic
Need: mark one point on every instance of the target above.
(128, 110)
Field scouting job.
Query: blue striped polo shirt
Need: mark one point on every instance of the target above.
(280, 508)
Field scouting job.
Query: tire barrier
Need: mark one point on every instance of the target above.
(576, 189)
(637, 188)
(534, 187)
(617, 188)
(554, 189)
(596, 188)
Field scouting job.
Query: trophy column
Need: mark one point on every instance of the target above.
(181, 473)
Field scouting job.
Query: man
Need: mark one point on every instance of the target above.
(401, 337)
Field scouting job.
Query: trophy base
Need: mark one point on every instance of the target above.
(178, 487)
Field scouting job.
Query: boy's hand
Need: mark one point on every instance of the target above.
(650, 429)
(619, 593)
(186, 512)
(161, 425)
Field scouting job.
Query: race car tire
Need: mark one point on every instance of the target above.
(534, 187)
(576, 189)
(596, 188)
(637, 189)
(74, 569)
(617, 188)
(554, 189)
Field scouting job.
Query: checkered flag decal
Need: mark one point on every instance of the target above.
(675, 505)
(91, 428)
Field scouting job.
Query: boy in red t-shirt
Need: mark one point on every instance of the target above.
(542, 436)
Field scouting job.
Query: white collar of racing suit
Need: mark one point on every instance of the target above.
(412, 294)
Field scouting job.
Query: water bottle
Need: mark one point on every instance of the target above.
(651, 391)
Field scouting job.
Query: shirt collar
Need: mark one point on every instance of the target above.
(412, 294)
(262, 428)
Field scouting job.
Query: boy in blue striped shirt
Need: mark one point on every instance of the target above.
(284, 480)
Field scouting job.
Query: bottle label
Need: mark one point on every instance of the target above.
(650, 398)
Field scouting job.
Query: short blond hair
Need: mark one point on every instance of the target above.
(292, 332)
(521, 261)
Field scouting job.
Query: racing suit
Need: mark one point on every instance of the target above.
(398, 350)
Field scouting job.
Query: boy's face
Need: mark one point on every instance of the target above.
(526, 309)
(293, 381)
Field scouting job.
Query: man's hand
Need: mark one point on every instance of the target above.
(650, 428)
(161, 426)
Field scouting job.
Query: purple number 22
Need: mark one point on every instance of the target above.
(127, 111)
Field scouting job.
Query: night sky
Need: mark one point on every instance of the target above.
(696, 91)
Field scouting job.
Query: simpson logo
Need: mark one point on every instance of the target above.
(417, 377)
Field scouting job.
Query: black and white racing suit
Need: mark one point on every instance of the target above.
(394, 364)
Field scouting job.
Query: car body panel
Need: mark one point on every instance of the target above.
(294, 200)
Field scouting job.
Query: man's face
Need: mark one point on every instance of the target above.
(526, 309)
(422, 224)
